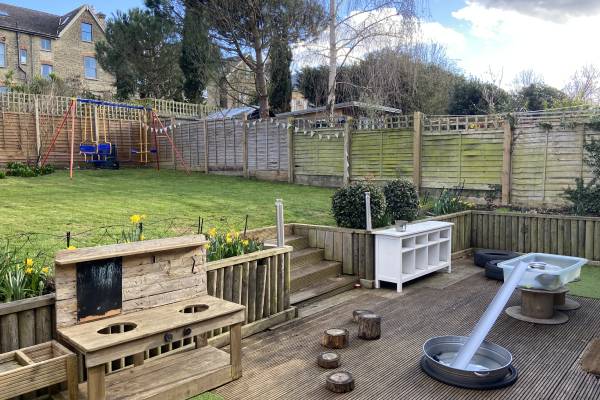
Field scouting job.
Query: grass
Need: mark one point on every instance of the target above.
(589, 285)
(51, 205)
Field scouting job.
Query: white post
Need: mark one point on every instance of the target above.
(368, 210)
(280, 223)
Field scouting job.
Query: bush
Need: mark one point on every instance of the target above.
(450, 201)
(401, 199)
(2, 175)
(25, 171)
(348, 206)
(585, 199)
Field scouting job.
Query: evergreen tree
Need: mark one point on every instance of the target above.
(198, 55)
(280, 88)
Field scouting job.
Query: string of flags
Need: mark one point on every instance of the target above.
(161, 129)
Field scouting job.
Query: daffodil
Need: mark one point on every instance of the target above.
(45, 270)
(245, 242)
(135, 219)
(228, 239)
(71, 248)
(212, 232)
(28, 262)
(141, 236)
(207, 246)
(29, 270)
(236, 235)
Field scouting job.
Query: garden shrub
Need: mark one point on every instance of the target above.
(401, 199)
(25, 171)
(585, 198)
(450, 201)
(348, 206)
(2, 175)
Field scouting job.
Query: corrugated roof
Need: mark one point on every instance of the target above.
(32, 21)
(231, 113)
(357, 104)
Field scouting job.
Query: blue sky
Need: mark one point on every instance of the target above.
(490, 39)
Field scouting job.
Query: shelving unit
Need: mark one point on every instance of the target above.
(403, 256)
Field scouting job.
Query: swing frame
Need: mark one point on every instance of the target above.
(72, 112)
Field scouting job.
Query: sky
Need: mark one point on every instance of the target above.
(489, 39)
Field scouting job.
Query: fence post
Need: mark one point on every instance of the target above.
(205, 145)
(245, 145)
(174, 144)
(290, 148)
(38, 139)
(417, 139)
(506, 162)
(368, 211)
(347, 150)
(280, 223)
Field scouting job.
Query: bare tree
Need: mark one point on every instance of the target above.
(492, 90)
(584, 85)
(365, 25)
(525, 78)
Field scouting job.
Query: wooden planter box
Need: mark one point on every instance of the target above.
(36, 367)
(26, 322)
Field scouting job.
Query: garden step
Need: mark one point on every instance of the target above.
(306, 275)
(297, 242)
(323, 289)
(307, 256)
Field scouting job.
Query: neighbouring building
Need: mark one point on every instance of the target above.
(235, 88)
(298, 101)
(34, 43)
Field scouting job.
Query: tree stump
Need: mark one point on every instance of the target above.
(339, 382)
(357, 313)
(369, 326)
(335, 338)
(328, 359)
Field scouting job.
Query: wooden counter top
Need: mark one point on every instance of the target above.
(149, 322)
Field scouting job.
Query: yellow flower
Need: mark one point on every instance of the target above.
(245, 242)
(29, 270)
(212, 232)
(142, 236)
(236, 235)
(71, 248)
(135, 219)
(28, 262)
(207, 246)
(228, 239)
(45, 270)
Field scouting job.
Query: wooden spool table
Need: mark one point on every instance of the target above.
(538, 306)
(148, 295)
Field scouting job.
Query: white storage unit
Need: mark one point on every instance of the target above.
(402, 256)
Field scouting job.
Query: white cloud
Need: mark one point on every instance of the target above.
(513, 41)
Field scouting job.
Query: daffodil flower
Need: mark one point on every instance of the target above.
(212, 232)
(135, 219)
(28, 262)
(71, 248)
(45, 270)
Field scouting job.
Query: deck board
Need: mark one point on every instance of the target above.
(281, 364)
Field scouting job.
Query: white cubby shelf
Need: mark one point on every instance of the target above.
(423, 248)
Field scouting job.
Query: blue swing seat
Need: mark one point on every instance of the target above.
(88, 149)
(104, 149)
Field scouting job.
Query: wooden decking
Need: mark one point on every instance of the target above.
(281, 364)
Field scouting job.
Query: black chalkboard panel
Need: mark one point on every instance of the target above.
(99, 289)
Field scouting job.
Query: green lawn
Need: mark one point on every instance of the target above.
(589, 285)
(172, 202)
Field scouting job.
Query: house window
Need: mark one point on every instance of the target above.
(23, 56)
(2, 55)
(46, 44)
(86, 32)
(89, 64)
(46, 70)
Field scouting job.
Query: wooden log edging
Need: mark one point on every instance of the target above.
(26, 322)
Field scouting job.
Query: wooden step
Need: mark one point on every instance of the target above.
(321, 290)
(306, 256)
(306, 275)
(297, 242)
(179, 376)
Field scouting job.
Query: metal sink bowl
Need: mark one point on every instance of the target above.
(117, 328)
(490, 363)
(194, 308)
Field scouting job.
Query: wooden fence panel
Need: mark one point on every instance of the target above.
(381, 154)
(314, 155)
(26, 322)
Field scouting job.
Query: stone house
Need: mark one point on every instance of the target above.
(233, 86)
(34, 43)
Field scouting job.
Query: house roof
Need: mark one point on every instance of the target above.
(349, 104)
(227, 113)
(37, 22)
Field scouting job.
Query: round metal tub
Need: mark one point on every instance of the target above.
(491, 363)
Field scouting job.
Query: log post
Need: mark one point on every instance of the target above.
(335, 338)
(328, 359)
(357, 313)
(369, 326)
(339, 382)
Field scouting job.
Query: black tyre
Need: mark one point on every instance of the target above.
(483, 256)
(493, 271)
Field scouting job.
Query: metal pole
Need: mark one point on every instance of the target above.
(279, 216)
(368, 210)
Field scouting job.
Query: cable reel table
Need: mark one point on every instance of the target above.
(147, 294)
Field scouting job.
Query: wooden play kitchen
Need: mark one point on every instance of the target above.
(419, 249)
(120, 302)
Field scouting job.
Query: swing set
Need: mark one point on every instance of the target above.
(96, 147)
